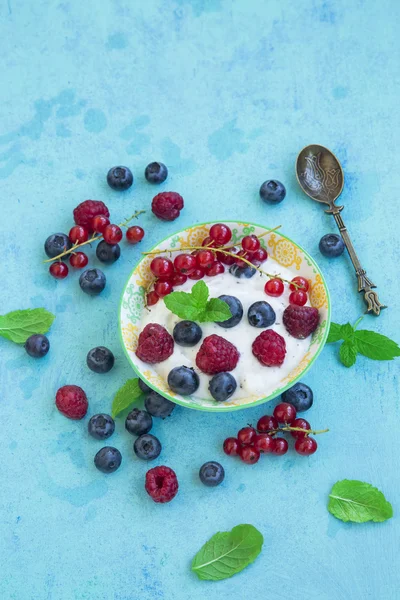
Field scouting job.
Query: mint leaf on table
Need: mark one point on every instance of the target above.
(216, 310)
(18, 325)
(348, 353)
(125, 396)
(339, 332)
(195, 306)
(228, 553)
(352, 500)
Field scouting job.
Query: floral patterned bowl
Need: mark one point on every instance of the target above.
(282, 250)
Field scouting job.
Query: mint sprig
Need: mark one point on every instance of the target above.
(126, 396)
(195, 305)
(368, 343)
(18, 325)
(359, 502)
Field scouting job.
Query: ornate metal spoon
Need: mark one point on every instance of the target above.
(321, 177)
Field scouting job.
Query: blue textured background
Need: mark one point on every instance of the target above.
(226, 93)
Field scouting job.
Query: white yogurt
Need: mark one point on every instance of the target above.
(252, 377)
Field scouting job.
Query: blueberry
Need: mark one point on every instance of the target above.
(119, 178)
(108, 459)
(183, 380)
(92, 281)
(158, 406)
(212, 473)
(101, 426)
(37, 345)
(108, 253)
(222, 386)
(187, 333)
(100, 359)
(138, 422)
(147, 447)
(56, 244)
(242, 272)
(272, 191)
(261, 314)
(156, 172)
(236, 309)
(144, 387)
(300, 395)
(331, 245)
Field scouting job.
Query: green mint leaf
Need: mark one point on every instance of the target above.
(348, 353)
(183, 305)
(375, 346)
(216, 310)
(352, 500)
(18, 325)
(125, 396)
(339, 332)
(200, 293)
(228, 553)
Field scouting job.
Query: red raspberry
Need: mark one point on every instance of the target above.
(300, 321)
(167, 205)
(161, 484)
(71, 401)
(216, 355)
(155, 344)
(85, 211)
(269, 348)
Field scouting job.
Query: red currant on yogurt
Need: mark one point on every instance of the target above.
(216, 269)
(302, 284)
(274, 287)
(259, 256)
(112, 234)
(178, 279)
(196, 274)
(220, 234)
(152, 298)
(250, 243)
(163, 288)
(162, 267)
(134, 234)
(185, 263)
(58, 270)
(78, 234)
(299, 298)
(205, 258)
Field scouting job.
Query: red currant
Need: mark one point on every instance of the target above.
(185, 263)
(78, 234)
(259, 256)
(163, 288)
(240, 263)
(134, 234)
(216, 269)
(220, 234)
(281, 446)
(231, 446)
(305, 445)
(205, 258)
(78, 260)
(112, 234)
(208, 242)
(264, 442)
(152, 298)
(227, 259)
(162, 267)
(274, 287)
(303, 424)
(299, 298)
(285, 412)
(267, 423)
(247, 435)
(178, 279)
(302, 284)
(196, 274)
(59, 270)
(251, 243)
(249, 454)
(99, 223)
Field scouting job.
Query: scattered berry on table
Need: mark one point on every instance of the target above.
(152, 298)
(134, 234)
(187, 333)
(249, 454)
(300, 395)
(158, 406)
(302, 284)
(163, 288)
(183, 380)
(272, 191)
(264, 443)
(144, 387)
(305, 445)
(236, 309)
(78, 260)
(299, 298)
(205, 258)
(119, 178)
(99, 223)
(259, 256)
(85, 211)
(300, 321)
(261, 314)
(242, 272)
(331, 245)
(100, 359)
(161, 484)
(107, 253)
(274, 288)
(185, 263)
(37, 345)
(269, 348)
(284, 412)
(281, 446)
(58, 270)
(303, 424)
(231, 446)
(167, 205)
(216, 268)
(78, 234)
(147, 447)
(216, 355)
(57, 244)
(222, 386)
(212, 473)
(220, 234)
(108, 459)
(156, 172)
(251, 243)
(112, 234)
(138, 422)
(197, 274)
(267, 423)
(72, 402)
(246, 436)
(162, 267)
(178, 279)
(155, 344)
(101, 426)
(92, 281)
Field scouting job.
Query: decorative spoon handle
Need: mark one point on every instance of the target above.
(364, 283)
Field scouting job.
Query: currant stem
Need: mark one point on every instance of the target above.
(288, 428)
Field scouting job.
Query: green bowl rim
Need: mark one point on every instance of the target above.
(220, 409)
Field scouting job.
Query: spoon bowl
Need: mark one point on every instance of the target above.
(320, 175)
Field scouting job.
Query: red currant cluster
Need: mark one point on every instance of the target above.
(251, 442)
(298, 296)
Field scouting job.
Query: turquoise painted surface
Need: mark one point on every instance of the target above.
(226, 93)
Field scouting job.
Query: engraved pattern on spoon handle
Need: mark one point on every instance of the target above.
(364, 283)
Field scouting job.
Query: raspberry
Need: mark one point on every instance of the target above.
(71, 401)
(300, 321)
(216, 355)
(167, 205)
(269, 348)
(161, 484)
(155, 344)
(85, 211)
